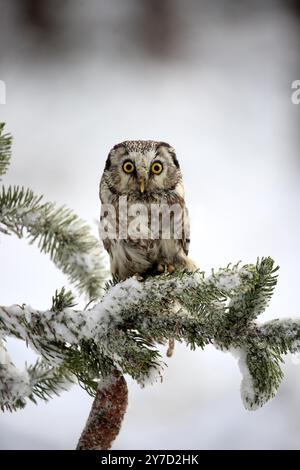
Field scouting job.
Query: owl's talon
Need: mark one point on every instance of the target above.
(160, 268)
(139, 277)
(171, 268)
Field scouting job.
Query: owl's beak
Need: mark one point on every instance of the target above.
(142, 184)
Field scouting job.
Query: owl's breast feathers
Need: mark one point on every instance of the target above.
(157, 231)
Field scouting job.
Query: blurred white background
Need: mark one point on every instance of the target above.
(214, 80)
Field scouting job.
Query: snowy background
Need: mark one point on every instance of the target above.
(214, 80)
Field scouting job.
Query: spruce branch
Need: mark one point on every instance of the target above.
(122, 331)
(259, 285)
(68, 241)
(57, 232)
(38, 381)
(62, 299)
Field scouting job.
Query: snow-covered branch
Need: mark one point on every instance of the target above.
(67, 239)
(57, 232)
(122, 331)
(40, 380)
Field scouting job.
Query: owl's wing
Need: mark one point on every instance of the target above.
(185, 245)
(185, 241)
(105, 225)
(107, 245)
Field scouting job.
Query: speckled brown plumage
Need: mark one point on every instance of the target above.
(140, 255)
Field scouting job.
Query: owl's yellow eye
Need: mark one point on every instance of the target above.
(156, 168)
(128, 167)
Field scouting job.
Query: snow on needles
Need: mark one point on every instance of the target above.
(247, 385)
(14, 383)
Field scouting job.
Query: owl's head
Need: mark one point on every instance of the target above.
(143, 167)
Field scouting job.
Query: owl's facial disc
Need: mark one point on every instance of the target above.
(143, 168)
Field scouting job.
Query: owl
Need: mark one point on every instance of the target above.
(144, 220)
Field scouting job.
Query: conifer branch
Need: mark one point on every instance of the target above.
(67, 239)
(122, 331)
(56, 230)
(38, 381)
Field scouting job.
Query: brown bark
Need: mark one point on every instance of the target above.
(106, 416)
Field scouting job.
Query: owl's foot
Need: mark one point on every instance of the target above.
(171, 268)
(160, 268)
(171, 347)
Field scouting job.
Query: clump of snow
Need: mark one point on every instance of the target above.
(227, 281)
(154, 374)
(295, 347)
(63, 332)
(119, 298)
(230, 280)
(29, 218)
(17, 384)
(247, 386)
(14, 384)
